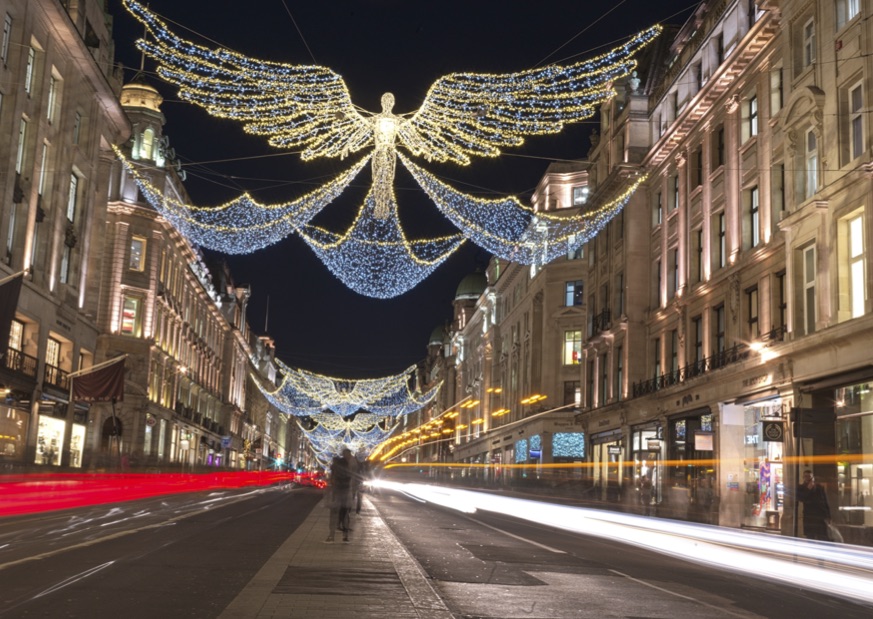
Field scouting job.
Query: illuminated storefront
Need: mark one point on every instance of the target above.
(49, 440)
(647, 448)
(854, 433)
(13, 434)
(763, 464)
(607, 467)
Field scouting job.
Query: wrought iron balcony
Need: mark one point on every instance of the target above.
(735, 354)
(17, 361)
(57, 377)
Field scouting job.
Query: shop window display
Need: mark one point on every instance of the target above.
(763, 467)
(49, 440)
(854, 409)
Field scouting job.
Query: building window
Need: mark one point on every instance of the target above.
(137, 254)
(852, 271)
(572, 392)
(73, 197)
(856, 121)
(721, 245)
(16, 336)
(674, 351)
(697, 342)
(580, 195)
(752, 311)
(658, 210)
(656, 344)
(53, 352)
(22, 142)
(604, 379)
(808, 43)
(781, 301)
(51, 99)
(718, 147)
(656, 301)
(573, 293)
(131, 316)
(697, 268)
(808, 274)
(28, 71)
(754, 217)
(753, 116)
(7, 35)
(698, 167)
(589, 385)
(619, 295)
(847, 10)
(673, 279)
(572, 347)
(619, 373)
(66, 264)
(719, 329)
(675, 192)
(776, 92)
(719, 48)
(811, 164)
(77, 127)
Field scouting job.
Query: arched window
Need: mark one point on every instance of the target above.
(148, 144)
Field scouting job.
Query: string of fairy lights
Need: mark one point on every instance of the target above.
(310, 108)
(374, 257)
(336, 413)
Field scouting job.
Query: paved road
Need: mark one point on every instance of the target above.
(261, 554)
(181, 556)
(487, 566)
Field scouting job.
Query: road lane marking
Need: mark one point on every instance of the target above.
(72, 580)
(679, 595)
(518, 537)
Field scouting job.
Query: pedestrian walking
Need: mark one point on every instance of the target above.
(816, 511)
(339, 496)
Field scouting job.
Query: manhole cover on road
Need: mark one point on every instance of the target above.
(370, 579)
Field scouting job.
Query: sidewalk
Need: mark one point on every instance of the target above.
(371, 576)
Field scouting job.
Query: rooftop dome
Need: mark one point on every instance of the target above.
(140, 94)
(472, 286)
(437, 336)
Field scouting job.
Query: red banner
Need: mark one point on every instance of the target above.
(103, 385)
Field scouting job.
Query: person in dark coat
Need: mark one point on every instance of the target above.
(816, 511)
(340, 495)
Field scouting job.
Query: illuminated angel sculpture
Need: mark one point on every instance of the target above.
(463, 115)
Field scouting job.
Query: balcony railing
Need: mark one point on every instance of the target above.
(57, 377)
(735, 354)
(17, 361)
(600, 322)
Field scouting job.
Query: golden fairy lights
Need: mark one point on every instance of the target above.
(463, 115)
(335, 413)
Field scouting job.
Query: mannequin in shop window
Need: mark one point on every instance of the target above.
(816, 511)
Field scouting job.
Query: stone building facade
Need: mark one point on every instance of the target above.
(725, 315)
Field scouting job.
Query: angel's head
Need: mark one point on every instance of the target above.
(387, 103)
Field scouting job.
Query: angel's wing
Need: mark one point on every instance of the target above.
(297, 106)
(468, 114)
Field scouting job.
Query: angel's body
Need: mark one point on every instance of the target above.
(384, 161)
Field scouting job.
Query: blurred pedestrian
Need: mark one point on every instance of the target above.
(816, 511)
(340, 495)
(646, 492)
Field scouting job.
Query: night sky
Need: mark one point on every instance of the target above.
(377, 46)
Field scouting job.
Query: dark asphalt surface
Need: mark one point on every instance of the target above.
(171, 567)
